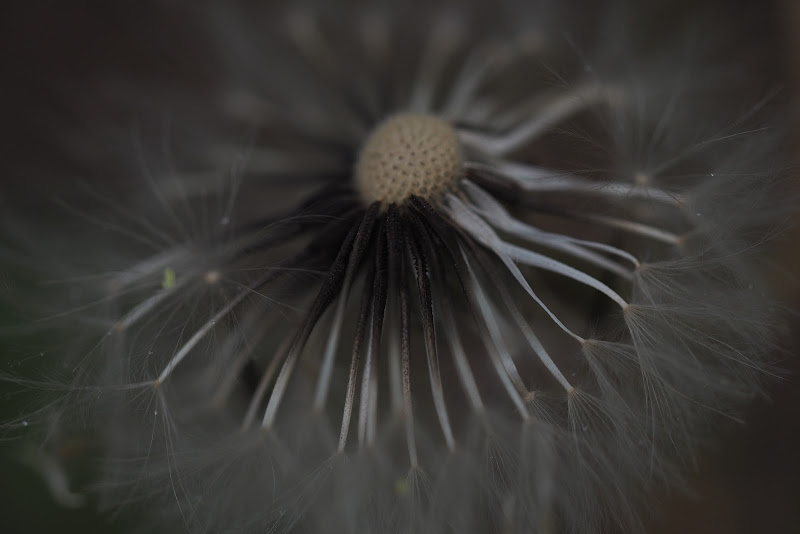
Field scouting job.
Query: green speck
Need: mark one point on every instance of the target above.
(402, 487)
(169, 278)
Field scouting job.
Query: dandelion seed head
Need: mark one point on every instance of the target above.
(434, 291)
(407, 155)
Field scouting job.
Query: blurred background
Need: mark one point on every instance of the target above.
(50, 50)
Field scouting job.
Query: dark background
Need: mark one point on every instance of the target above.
(49, 51)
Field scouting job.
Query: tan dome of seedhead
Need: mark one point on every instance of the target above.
(408, 154)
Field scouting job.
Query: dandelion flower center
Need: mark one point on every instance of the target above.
(408, 154)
